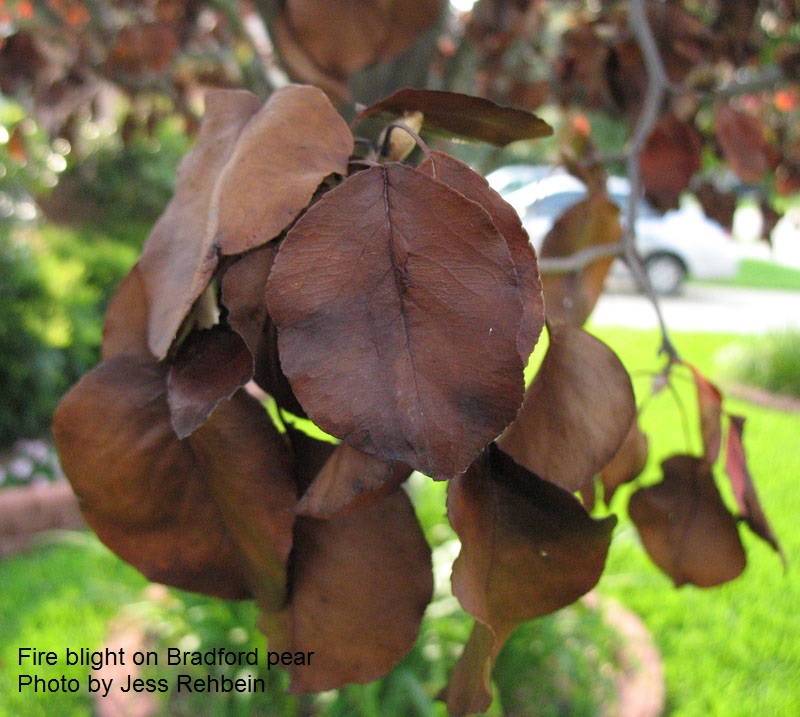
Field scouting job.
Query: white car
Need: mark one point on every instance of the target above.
(682, 242)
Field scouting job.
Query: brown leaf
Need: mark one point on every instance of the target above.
(463, 179)
(462, 115)
(125, 326)
(717, 205)
(242, 293)
(281, 157)
(709, 404)
(528, 548)
(350, 479)
(211, 365)
(212, 513)
(671, 156)
(341, 37)
(628, 462)
(180, 256)
(742, 138)
(744, 490)
(570, 298)
(686, 528)
(301, 67)
(576, 413)
(244, 285)
(404, 345)
(360, 585)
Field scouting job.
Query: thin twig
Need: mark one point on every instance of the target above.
(657, 86)
(580, 259)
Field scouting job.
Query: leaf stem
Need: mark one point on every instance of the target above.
(399, 124)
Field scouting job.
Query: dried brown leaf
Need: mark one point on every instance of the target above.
(686, 528)
(404, 266)
(125, 326)
(744, 489)
(628, 462)
(463, 115)
(360, 585)
(742, 138)
(528, 548)
(594, 221)
(212, 513)
(210, 365)
(462, 178)
(671, 156)
(180, 255)
(295, 140)
(576, 413)
(350, 480)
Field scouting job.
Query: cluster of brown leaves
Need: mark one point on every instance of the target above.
(598, 65)
(395, 306)
(62, 56)
(684, 524)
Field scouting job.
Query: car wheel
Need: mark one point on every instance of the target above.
(666, 272)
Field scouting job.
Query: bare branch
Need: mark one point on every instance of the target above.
(657, 86)
(580, 259)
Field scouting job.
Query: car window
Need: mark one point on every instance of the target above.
(553, 205)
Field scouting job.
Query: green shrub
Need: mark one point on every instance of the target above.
(771, 362)
(55, 284)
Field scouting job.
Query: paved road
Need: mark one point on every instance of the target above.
(704, 308)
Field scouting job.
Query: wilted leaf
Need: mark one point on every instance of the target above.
(404, 344)
(576, 413)
(460, 177)
(671, 156)
(209, 366)
(350, 479)
(628, 462)
(180, 256)
(212, 513)
(281, 157)
(742, 138)
(528, 548)
(360, 585)
(594, 221)
(341, 37)
(717, 205)
(125, 326)
(686, 528)
(709, 404)
(463, 115)
(243, 285)
(744, 490)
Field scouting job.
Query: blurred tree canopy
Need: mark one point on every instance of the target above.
(100, 98)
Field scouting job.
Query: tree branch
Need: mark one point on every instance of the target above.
(657, 86)
(580, 259)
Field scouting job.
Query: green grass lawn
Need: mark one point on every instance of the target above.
(761, 274)
(733, 650)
